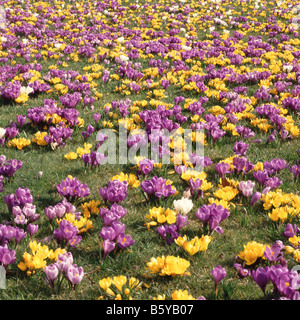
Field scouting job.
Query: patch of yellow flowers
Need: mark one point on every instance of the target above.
(19, 143)
(119, 287)
(284, 206)
(195, 245)
(160, 215)
(90, 208)
(252, 252)
(168, 266)
(176, 295)
(38, 258)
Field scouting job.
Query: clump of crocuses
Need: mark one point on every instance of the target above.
(113, 231)
(67, 234)
(63, 268)
(211, 216)
(115, 192)
(71, 188)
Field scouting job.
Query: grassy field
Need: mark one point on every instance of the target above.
(100, 25)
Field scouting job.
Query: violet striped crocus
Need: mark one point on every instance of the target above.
(51, 272)
(75, 275)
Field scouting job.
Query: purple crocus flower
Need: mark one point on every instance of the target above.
(255, 197)
(274, 253)
(124, 241)
(108, 246)
(64, 261)
(97, 116)
(295, 170)
(32, 229)
(181, 221)
(240, 148)
(290, 230)
(146, 166)
(21, 120)
(89, 130)
(108, 233)
(261, 176)
(67, 232)
(273, 183)
(222, 168)
(168, 232)
(239, 163)
(243, 272)
(7, 256)
(75, 275)
(72, 188)
(262, 277)
(50, 213)
(51, 272)
(218, 274)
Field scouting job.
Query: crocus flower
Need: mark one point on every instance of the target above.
(246, 188)
(181, 221)
(124, 241)
(261, 176)
(51, 272)
(115, 192)
(295, 170)
(64, 261)
(255, 197)
(218, 274)
(108, 246)
(273, 253)
(222, 168)
(261, 276)
(146, 166)
(32, 228)
(290, 230)
(240, 148)
(243, 272)
(75, 275)
(7, 256)
(108, 233)
(184, 205)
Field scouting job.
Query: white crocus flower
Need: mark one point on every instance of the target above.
(2, 132)
(287, 68)
(184, 205)
(123, 58)
(26, 90)
(121, 40)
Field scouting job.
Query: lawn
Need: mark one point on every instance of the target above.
(223, 75)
